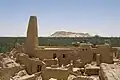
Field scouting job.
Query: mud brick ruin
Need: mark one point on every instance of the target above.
(30, 61)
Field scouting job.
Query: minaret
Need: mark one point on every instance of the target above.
(32, 36)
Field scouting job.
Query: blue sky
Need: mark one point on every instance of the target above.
(100, 17)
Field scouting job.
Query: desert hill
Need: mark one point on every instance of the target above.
(69, 34)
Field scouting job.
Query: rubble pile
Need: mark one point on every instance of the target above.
(8, 67)
(19, 74)
(109, 71)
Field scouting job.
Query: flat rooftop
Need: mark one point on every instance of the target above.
(54, 48)
(57, 48)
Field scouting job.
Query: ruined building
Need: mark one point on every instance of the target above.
(30, 61)
(84, 52)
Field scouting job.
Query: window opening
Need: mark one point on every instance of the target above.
(64, 56)
(39, 68)
(54, 55)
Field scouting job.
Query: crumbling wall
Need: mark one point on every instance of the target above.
(32, 65)
(64, 56)
(85, 54)
(50, 62)
(105, 52)
(48, 54)
(86, 78)
(19, 48)
(56, 73)
(91, 69)
(78, 63)
(7, 73)
(22, 75)
(22, 58)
